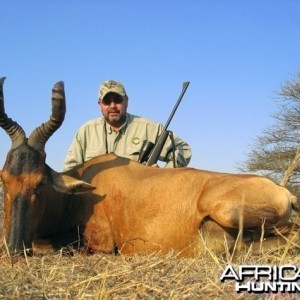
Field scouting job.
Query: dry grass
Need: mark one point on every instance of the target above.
(57, 276)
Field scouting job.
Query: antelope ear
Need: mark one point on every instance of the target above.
(69, 185)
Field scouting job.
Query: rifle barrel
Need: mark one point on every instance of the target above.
(184, 88)
(156, 150)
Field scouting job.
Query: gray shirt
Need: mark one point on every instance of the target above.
(97, 137)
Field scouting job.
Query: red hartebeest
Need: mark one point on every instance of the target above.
(115, 202)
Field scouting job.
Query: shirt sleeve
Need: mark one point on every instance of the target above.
(182, 152)
(74, 155)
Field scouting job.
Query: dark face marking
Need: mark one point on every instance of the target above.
(16, 237)
(24, 159)
(23, 177)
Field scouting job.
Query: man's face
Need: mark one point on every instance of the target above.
(114, 108)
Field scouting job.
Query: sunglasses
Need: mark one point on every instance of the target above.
(115, 99)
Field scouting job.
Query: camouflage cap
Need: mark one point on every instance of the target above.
(111, 86)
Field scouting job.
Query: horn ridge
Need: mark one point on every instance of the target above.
(12, 128)
(42, 133)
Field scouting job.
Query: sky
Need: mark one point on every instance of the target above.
(236, 55)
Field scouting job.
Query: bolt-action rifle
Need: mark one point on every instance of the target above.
(150, 152)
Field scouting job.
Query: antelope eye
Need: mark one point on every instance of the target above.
(39, 188)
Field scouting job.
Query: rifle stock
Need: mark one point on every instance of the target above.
(145, 151)
(155, 153)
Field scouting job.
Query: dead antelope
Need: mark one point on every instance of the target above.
(112, 202)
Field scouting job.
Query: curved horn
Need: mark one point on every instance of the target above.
(41, 134)
(12, 128)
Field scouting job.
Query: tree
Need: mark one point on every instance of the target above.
(276, 154)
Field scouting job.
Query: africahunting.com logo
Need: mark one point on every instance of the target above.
(263, 278)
